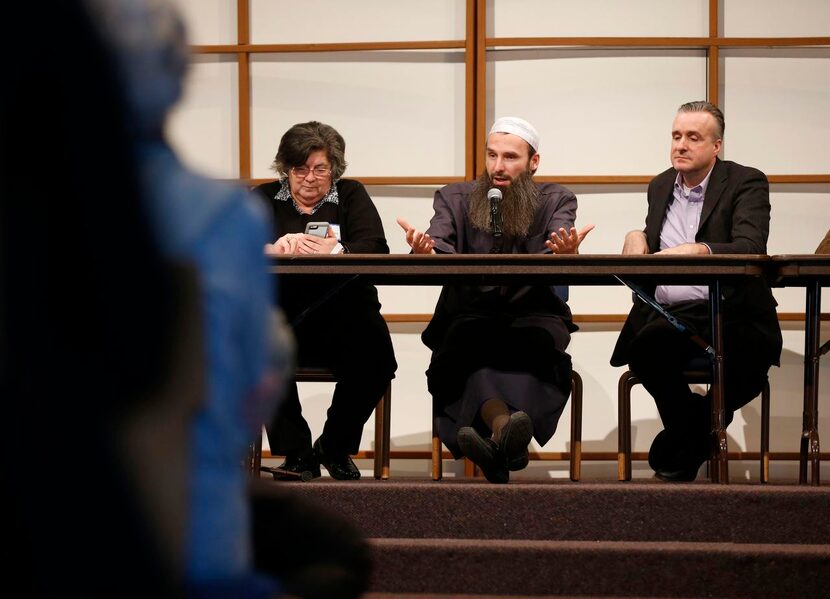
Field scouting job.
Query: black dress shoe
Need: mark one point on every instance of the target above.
(485, 454)
(519, 462)
(677, 476)
(662, 453)
(302, 467)
(678, 457)
(514, 439)
(340, 466)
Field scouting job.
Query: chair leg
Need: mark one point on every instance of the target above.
(765, 434)
(627, 382)
(383, 413)
(470, 468)
(387, 432)
(437, 458)
(576, 426)
(254, 458)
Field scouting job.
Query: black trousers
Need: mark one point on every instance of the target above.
(658, 355)
(354, 343)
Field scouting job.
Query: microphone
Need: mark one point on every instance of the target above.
(494, 195)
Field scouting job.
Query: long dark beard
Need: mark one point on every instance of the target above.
(518, 205)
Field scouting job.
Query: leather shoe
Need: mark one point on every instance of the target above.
(519, 462)
(685, 469)
(302, 467)
(485, 453)
(677, 457)
(514, 438)
(662, 453)
(677, 476)
(340, 466)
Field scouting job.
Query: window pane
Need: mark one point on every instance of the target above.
(327, 21)
(798, 223)
(204, 126)
(775, 103)
(773, 18)
(566, 18)
(598, 112)
(209, 21)
(401, 113)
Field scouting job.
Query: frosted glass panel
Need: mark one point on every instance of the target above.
(204, 126)
(401, 113)
(773, 18)
(321, 21)
(597, 112)
(566, 18)
(800, 220)
(614, 212)
(776, 104)
(411, 203)
(209, 21)
(415, 205)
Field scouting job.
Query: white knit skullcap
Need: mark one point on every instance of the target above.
(519, 127)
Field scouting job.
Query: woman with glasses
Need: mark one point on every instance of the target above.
(337, 327)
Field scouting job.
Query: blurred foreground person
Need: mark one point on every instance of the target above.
(220, 230)
(85, 321)
(231, 550)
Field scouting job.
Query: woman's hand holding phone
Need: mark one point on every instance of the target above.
(317, 239)
(312, 244)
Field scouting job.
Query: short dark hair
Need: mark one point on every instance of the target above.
(703, 106)
(301, 140)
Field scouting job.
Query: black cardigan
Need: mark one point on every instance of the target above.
(361, 232)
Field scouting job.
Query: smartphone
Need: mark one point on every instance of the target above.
(317, 229)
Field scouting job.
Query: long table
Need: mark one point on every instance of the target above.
(811, 272)
(506, 269)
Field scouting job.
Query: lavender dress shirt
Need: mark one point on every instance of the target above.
(680, 226)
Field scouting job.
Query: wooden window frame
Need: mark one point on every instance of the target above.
(475, 46)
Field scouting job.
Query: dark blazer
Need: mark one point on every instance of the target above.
(735, 220)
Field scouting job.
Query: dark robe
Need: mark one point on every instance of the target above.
(507, 341)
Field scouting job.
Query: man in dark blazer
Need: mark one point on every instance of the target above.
(702, 205)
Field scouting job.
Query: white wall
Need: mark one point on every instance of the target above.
(600, 111)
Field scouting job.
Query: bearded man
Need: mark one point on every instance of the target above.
(499, 374)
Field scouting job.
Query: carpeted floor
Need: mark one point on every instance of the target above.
(558, 538)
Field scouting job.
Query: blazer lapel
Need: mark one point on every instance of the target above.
(663, 194)
(716, 187)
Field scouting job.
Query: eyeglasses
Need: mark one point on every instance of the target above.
(319, 171)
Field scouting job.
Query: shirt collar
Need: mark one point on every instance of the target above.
(699, 190)
(284, 195)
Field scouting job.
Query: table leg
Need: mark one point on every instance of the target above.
(720, 466)
(810, 448)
